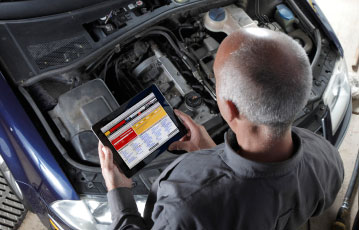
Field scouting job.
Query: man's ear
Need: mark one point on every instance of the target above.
(231, 110)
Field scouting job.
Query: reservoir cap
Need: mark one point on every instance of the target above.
(217, 14)
(285, 12)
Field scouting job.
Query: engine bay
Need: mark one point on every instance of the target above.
(176, 53)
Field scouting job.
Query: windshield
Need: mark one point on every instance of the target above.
(10, 9)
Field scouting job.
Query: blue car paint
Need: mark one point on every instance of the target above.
(26, 154)
(35, 203)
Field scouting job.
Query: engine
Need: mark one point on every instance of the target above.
(177, 55)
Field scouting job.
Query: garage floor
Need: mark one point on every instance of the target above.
(344, 17)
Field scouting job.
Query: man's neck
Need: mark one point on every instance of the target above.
(257, 145)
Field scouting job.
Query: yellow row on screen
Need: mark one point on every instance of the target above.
(149, 120)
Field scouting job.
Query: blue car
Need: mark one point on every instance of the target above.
(66, 64)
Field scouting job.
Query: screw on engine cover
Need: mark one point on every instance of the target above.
(306, 110)
(317, 83)
(90, 185)
(322, 107)
(117, 48)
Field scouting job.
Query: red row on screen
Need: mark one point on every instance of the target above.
(124, 138)
(117, 126)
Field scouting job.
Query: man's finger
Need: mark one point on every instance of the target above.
(186, 137)
(172, 146)
(179, 145)
(100, 153)
(108, 161)
(187, 120)
(183, 122)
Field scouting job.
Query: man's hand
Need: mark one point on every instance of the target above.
(197, 136)
(114, 178)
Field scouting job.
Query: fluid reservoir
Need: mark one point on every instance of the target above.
(227, 19)
(285, 17)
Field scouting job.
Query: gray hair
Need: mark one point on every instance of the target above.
(268, 79)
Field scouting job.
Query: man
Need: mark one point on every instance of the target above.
(267, 175)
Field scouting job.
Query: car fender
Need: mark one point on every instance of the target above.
(26, 153)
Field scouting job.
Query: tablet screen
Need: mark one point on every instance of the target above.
(140, 130)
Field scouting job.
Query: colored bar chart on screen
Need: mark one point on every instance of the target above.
(140, 130)
(149, 120)
(124, 138)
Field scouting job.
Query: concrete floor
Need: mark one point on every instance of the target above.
(32, 222)
(344, 17)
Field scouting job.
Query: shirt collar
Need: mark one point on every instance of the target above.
(249, 168)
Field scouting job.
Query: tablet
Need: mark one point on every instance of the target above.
(140, 130)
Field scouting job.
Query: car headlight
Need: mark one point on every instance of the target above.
(90, 212)
(337, 94)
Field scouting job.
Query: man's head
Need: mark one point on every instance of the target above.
(263, 77)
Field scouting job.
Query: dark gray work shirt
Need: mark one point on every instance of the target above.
(218, 189)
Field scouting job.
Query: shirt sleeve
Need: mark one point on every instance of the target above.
(125, 215)
(335, 175)
(329, 171)
(174, 216)
(124, 212)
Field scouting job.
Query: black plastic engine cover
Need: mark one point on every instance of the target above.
(77, 110)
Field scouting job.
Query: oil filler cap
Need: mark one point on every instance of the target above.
(217, 14)
(193, 100)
